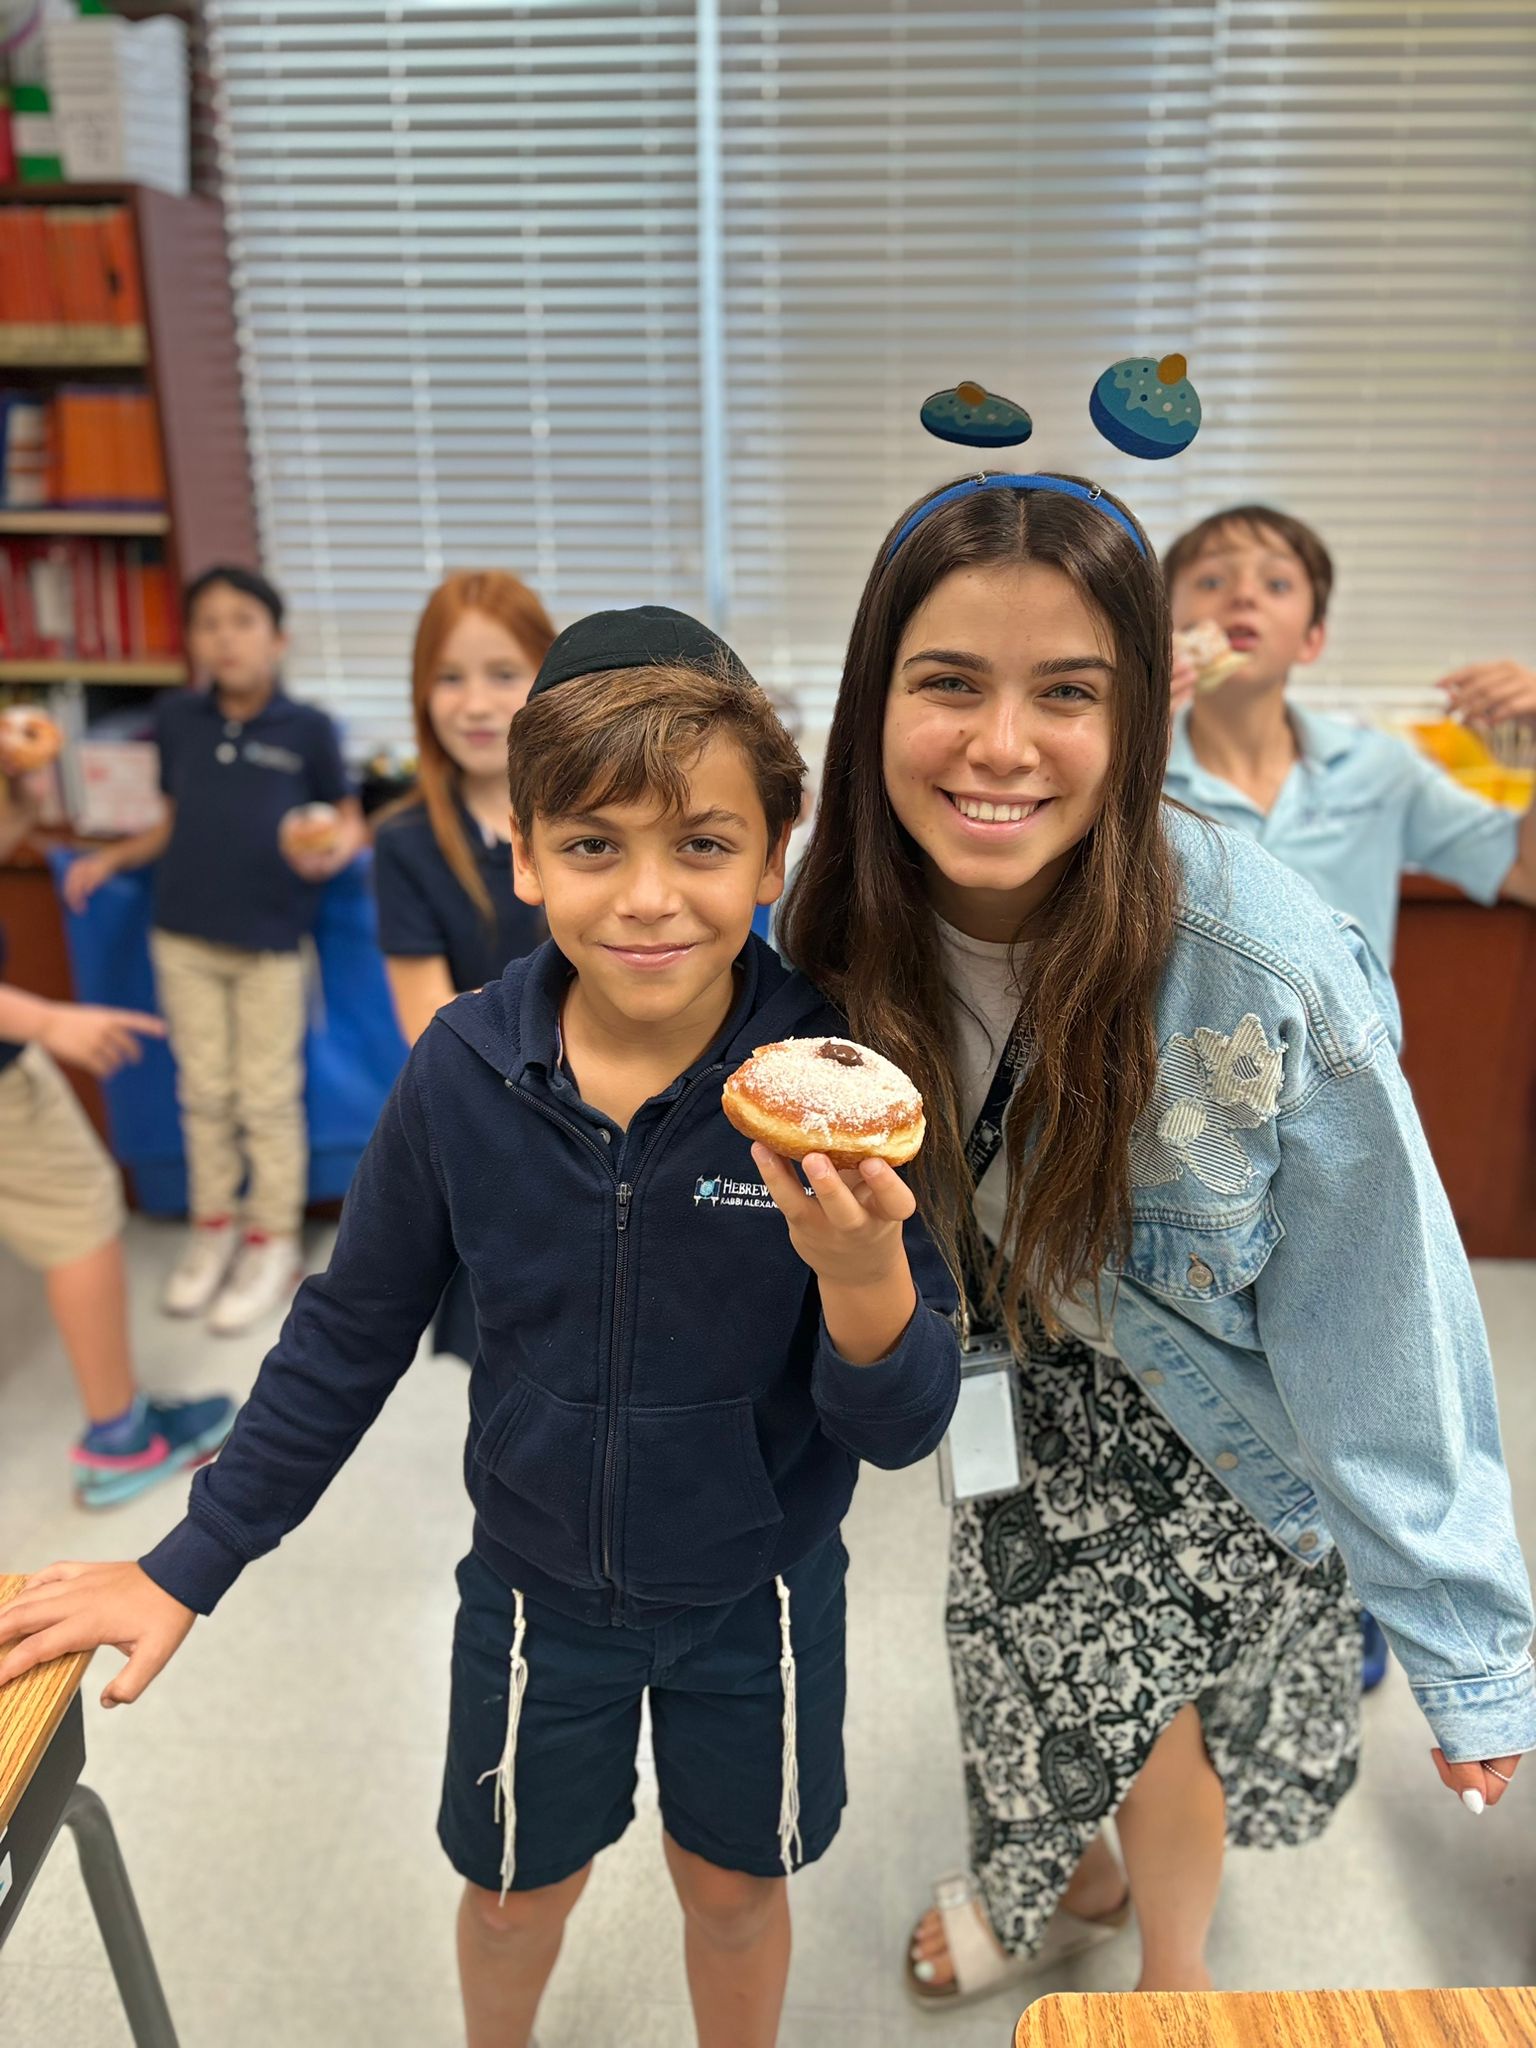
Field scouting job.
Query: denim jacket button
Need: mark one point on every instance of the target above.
(1200, 1274)
(1226, 1461)
(1307, 1541)
(1153, 1378)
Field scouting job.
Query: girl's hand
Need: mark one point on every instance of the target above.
(848, 1228)
(68, 1607)
(1490, 691)
(1474, 1784)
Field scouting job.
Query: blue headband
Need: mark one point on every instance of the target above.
(968, 486)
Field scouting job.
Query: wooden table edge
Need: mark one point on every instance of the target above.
(31, 1708)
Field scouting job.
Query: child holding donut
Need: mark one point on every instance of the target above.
(61, 1212)
(1346, 806)
(235, 895)
(672, 1392)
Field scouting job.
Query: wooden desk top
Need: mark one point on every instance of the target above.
(31, 1708)
(1282, 2019)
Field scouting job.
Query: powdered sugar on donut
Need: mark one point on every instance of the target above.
(830, 1086)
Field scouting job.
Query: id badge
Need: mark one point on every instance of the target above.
(980, 1452)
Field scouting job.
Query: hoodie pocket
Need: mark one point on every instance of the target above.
(531, 1478)
(701, 1517)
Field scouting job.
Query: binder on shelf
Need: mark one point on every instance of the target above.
(91, 601)
(70, 288)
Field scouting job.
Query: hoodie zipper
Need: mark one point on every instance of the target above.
(624, 1194)
(615, 1344)
(616, 1347)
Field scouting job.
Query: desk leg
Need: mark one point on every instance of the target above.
(117, 1915)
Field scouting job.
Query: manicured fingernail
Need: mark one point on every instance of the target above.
(923, 1972)
(1472, 1800)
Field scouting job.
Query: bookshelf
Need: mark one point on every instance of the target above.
(184, 355)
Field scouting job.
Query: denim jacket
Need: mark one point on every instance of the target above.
(1295, 1298)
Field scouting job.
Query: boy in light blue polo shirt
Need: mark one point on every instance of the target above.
(1346, 806)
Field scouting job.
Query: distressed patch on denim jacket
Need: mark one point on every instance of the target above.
(1209, 1087)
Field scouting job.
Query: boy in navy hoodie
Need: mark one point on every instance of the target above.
(673, 1390)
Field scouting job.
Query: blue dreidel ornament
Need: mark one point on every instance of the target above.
(1146, 406)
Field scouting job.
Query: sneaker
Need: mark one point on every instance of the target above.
(263, 1277)
(154, 1441)
(199, 1273)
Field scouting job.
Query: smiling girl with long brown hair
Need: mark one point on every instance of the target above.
(1170, 1143)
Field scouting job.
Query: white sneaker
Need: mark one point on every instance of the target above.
(199, 1273)
(263, 1277)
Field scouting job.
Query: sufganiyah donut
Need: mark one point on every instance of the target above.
(28, 740)
(1212, 653)
(311, 828)
(826, 1095)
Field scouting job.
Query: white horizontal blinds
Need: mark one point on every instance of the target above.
(1330, 209)
(465, 240)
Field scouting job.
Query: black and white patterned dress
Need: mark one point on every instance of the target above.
(1121, 1583)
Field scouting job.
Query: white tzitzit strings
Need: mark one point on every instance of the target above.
(503, 1772)
(791, 1849)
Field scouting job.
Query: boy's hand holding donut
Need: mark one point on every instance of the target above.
(847, 1228)
(846, 1114)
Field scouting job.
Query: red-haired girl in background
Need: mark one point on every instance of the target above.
(448, 920)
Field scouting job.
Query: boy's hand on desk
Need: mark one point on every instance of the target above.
(68, 1607)
(97, 1040)
(848, 1228)
(85, 876)
(1489, 691)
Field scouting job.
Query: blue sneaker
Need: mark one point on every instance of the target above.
(114, 1461)
(1377, 1656)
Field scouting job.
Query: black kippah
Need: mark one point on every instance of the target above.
(646, 636)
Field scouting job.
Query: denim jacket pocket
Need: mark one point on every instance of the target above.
(1204, 1266)
(700, 1514)
(530, 1477)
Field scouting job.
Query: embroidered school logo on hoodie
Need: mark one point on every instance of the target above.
(719, 1191)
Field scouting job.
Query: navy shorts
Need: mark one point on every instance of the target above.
(717, 1733)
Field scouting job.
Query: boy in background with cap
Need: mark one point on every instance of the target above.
(673, 1390)
(232, 907)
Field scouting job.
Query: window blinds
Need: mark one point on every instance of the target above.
(641, 301)
(467, 270)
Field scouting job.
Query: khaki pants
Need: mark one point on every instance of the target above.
(61, 1197)
(236, 1024)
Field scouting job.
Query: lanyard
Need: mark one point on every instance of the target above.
(986, 1138)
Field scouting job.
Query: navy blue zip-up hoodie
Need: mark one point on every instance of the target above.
(658, 1419)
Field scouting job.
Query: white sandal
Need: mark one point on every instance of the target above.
(980, 1966)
